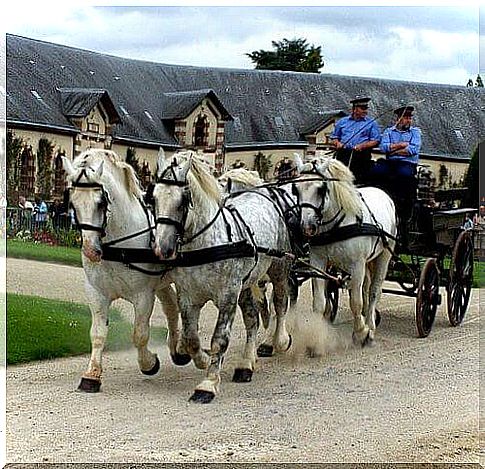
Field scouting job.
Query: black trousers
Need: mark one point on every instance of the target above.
(360, 163)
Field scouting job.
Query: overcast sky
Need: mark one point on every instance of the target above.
(435, 43)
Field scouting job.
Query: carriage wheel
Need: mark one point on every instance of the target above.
(333, 298)
(460, 278)
(428, 298)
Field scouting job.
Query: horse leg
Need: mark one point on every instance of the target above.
(375, 289)
(168, 299)
(148, 362)
(190, 332)
(281, 338)
(248, 304)
(99, 306)
(361, 330)
(366, 289)
(209, 387)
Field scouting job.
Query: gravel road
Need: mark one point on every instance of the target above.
(405, 399)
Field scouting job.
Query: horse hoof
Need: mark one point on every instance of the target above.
(265, 351)
(89, 385)
(154, 370)
(180, 359)
(202, 397)
(242, 375)
(368, 341)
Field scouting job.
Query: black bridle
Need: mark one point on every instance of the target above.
(317, 176)
(105, 200)
(169, 178)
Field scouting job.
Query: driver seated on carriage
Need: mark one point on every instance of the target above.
(396, 174)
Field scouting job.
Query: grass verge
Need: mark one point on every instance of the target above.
(40, 328)
(44, 252)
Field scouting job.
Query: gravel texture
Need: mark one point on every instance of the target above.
(405, 399)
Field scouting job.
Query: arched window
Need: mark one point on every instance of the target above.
(201, 131)
(27, 173)
(59, 176)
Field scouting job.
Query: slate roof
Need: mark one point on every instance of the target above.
(268, 107)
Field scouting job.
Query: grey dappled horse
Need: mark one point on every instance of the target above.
(191, 215)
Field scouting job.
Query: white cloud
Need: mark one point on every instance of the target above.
(420, 44)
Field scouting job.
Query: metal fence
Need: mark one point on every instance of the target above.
(19, 220)
(479, 243)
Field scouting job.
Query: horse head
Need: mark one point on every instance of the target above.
(324, 189)
(183, 189)
(239, 179)
(97, 178)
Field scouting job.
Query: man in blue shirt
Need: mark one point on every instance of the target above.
(397, 172)
(354, 137)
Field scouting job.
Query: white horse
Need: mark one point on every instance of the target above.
(106, 198)
(330, 205)
(191, 217)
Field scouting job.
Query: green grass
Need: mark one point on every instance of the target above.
(44, 252)
(39, 328)
(479, 274)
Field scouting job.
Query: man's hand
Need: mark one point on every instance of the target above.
(338, 145)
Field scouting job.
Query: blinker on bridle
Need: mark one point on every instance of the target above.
(165, 179)
(104, 201)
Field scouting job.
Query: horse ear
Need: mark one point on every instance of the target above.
(298, 162)
(99, 172)
(67, 165)
(163, 161)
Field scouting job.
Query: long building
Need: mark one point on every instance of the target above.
(76, 99)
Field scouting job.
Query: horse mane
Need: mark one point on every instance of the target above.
(203, 185)
(343, 191)
(123, 173)
(242, 176)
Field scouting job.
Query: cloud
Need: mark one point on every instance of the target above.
(410, 43)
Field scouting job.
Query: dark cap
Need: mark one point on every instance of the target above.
(404, 111)
(360, 101)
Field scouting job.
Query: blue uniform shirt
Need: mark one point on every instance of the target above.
(393, 135)
(351, 132)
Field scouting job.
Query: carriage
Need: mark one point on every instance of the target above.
(438, 253)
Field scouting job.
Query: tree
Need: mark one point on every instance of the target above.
(472, 177)
(14, 147)
(262, 164)
(479, 82)
(132, 160)
(293, 55)
(44, 168)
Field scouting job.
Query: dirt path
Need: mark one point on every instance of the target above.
(406, 399)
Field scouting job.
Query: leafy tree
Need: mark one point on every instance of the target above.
(479, 82)
(262, 164)
(132, 160)
(293, 55)
(44, 168)
(14, 147)
(472, 177)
